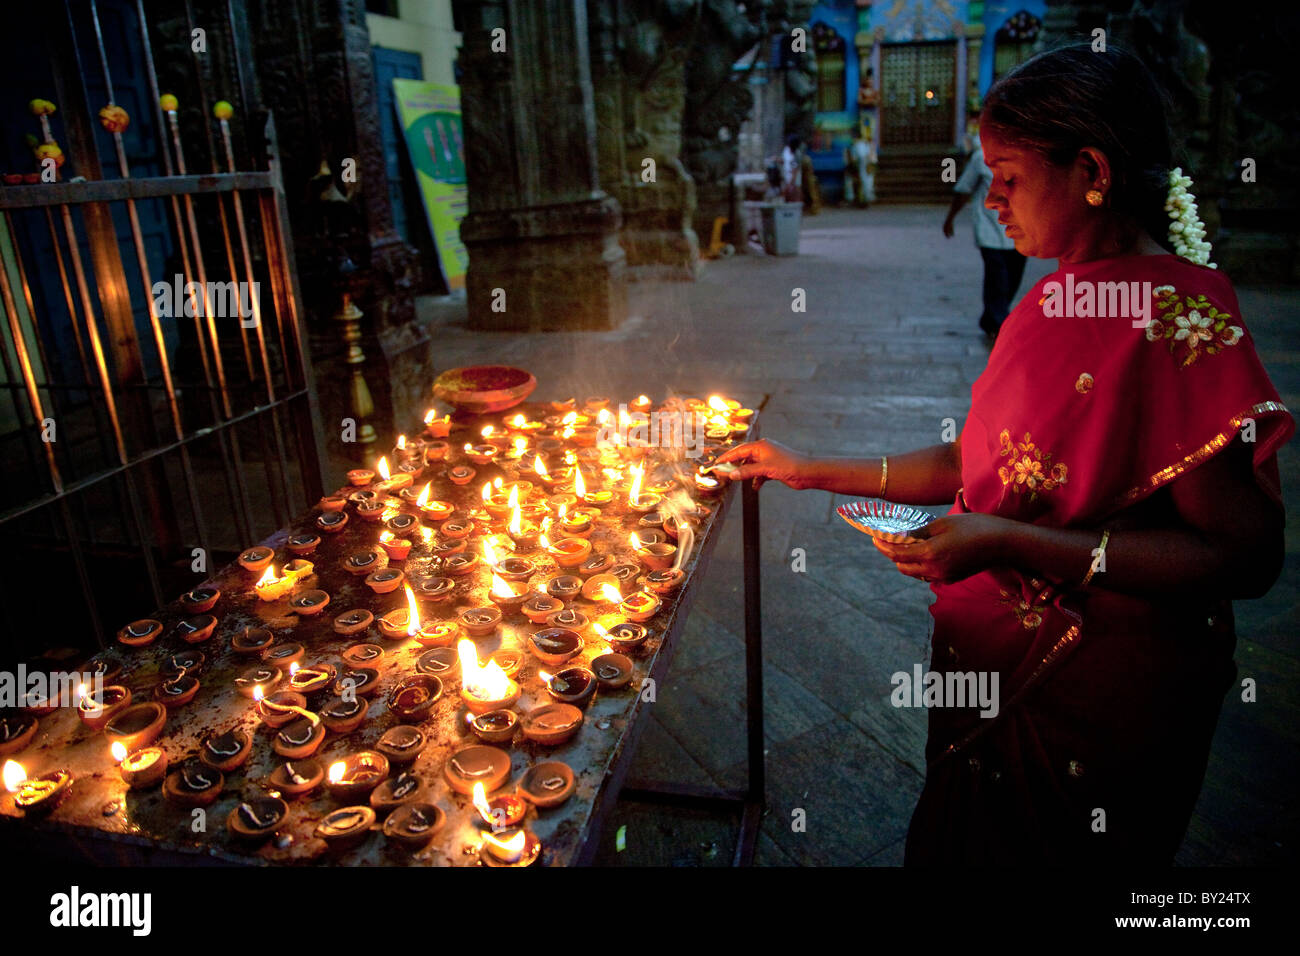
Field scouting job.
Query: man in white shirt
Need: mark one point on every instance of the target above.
(1003, 266)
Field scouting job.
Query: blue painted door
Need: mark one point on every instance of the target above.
(390, 65)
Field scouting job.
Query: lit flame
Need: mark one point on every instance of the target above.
(516, 520)
(118, 751)
(496, 482)
(487, 431)
(489, 554)
(423, 500)
(643, 399)
(485, 683)
(546, 678)
(636, 541)
(413, 616)
(294, 668)
(268, 576)
(487, 491)
(570, 458)
(468, 448)
(14, 775)
(579, 486)
(614, 475)
(717, 403)
(569, 418)
(480, 802)
(544, 541)
(539, 466)
(611, 593)
(518, 421)
(634, 493)
(508, 850)
(564, 509)
(521, 446)
(603, 635)
(567, 433)
(257, 693)
(401, 443)
(429, 416)
(382, 468)
(336, 770)
(604, 417)
(624, 419)
(500, 587)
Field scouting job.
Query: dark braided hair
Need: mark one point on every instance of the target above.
(1063, 100)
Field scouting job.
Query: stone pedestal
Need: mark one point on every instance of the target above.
(542, 237)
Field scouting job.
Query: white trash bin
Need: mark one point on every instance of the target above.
(781, 228)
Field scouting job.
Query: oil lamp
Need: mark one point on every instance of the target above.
(257, 680)
(641, 606)
(433, 510)
(385, 580)
(345, 827)
(402, 523)
(613, 671)
(456, 528)
(539, 605)
(483, 454)
(596, 564)
(362, 653)
(310, 680)
(480, 621)
(567, 552)
(507, 595)
(141, 769)
(654, 555)
(310, 602)
(636, 499)
(435, 451)
(201, 599)
(414, 696)
(414, 825)
(502, 811)
(479, 763)
(435, 588)
(136, 726)
(404, 622)
(333, 502)
(360, 476)
(402, 744)
(35, 795)
(436, 427)
(300, 738)
(193, 784)
(271, 587)
(556, 645)
(522, 533)
(227, 750)
(371, 510)
(255, 559)
(356, 775)
(459, 564)
(665, 580)
(282, 707)
(391, 482)
(392, 793)
(303, 543)
(571, 685)
(547, 784)
(331, 522)
(600, 588)
(342, 715)
(441, 662)
(140, 633)
(256, 818)
(296, 778)
(510, 848)
(595, 499)
(573, 619)
(396, 548)
(461, 474)
(494, 727)
(357, 682)
(487, 688)
(641, 404)
(551, 724)
(98, 707)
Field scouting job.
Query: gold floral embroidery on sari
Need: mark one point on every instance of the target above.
(1030, 615)
(1191, 326)
(1028, 467)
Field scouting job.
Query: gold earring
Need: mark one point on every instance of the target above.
(1093, 196)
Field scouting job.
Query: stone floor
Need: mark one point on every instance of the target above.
(887, 348)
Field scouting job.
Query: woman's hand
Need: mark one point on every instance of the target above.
(765, 459)
(954, 547)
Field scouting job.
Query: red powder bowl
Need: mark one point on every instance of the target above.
(484, 388)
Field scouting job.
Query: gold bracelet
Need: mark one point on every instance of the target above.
(884, 474)
(1099, 559)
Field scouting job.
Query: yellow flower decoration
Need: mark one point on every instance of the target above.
(1191, 326)
(1028, 468)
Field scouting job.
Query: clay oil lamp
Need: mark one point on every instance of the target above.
(396, 548)
(372, 511)
(624, 637)
(613, 671)
(459, 564)
(483, 689)
(356, 775)
(136, 726)
(406, 787)
(571, 685)
(566, 587)
(515, 569)
(483, 454)
(447, 548)
(518, 448)
(342, 715)
(551, 724)
(570, 618)
(385, 580)
(538, 470)
(556, 645)
(584, 436)
(391, 483)
(435, 451)
(592, 499)
(310, 680)
(193, 784)
(561, 503)
(411, 497)
(98, 707)
(706, 485)
(625, 574)
(200, 599)
(506, 595)
(435, 427)
(494, 727)
(353, 621)
(309, 602)
(357, 682)
(640, 404)
(346, 827)
(646, 502)
(402, 523)
(596, 564)
(255, 819)
(255, 559)
(501, 811)
(140, 633)
(36, 796)
(360, 476)
(461, 474)
(362, 496)
(36, 702)
(653, 520)
(280, 708)
(655, 555)
(16, 732)
(523, 533)
(456, 528)
(413, 697)
(481, 764)
(195, 630)
(566, 552)
(641, 606)
(596, 403)
(284, 654)
(226, 751)
(509, 659)
(414, 825)
(665, 580)
(601, 588)
(140, 769)
(513, 848)
(332, 521)
(547, 784)
(332, 503)
(441, 662)
(362, 654)
(434, 588)
(402, 744)
(296, 778)
(260, 679)
(539, 606)
(272, 587)
(403, 622)
(103, 668)
(300, 738)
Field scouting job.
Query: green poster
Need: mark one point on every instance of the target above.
(430, 117)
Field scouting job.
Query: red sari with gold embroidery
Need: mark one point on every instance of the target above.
(1108, 702)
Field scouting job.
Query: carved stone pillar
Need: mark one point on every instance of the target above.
(542, 236)
(639, 50)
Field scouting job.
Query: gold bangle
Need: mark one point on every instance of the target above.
(1099, 559)
(884, 474)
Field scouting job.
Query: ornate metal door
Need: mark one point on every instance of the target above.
(918, 105)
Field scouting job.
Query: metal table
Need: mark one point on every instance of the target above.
(102, 821)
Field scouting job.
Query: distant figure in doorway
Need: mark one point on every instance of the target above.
(1003, 265)
(859, 170)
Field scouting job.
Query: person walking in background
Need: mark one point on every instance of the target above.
(1003, 265)
(791, 171)
(859, 183)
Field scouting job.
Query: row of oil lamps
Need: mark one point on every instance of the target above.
(488, 691)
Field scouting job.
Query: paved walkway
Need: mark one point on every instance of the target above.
(887, 349)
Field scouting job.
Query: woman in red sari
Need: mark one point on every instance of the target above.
(1114, 488)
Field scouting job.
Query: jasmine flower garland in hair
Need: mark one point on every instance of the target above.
(1186, 232)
